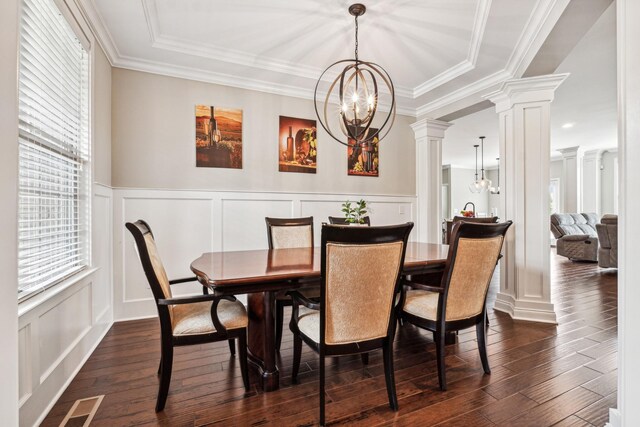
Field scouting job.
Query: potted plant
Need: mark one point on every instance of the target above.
(355, 213)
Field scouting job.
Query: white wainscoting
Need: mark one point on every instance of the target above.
(189, 223)
(60, 328)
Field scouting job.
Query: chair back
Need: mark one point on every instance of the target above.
(485, 220)
(150, 258)
(473, 254)
(361, 269)
(290, 232)
(338, 220)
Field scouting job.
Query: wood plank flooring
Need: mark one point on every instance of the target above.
(542, 375)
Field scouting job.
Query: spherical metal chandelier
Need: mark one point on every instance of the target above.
(356, 91)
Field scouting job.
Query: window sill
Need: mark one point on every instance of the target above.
(29, 304)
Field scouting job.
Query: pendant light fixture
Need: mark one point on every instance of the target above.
(484, 183)
(496, 190)
(358, 91)
(474, 187)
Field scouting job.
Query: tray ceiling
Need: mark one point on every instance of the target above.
(438, 52)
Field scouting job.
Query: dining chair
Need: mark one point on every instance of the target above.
(338, 220)
(457, 218)
(187, 320)
(290, 233)
(460, 300)
(360, 273)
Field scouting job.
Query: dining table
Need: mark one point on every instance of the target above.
(262, 274)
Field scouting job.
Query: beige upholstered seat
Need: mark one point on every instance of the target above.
(300, 236)
(187, 320)
(460, 300)
(190, 319)
(357, 310)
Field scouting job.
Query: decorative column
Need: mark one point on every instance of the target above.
(429, 135)
(523, 106)
(591, 181)
(570, 180)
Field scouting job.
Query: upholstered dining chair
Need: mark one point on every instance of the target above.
(360, 270)
(290, 233)
(187, 320)
(457, 218)
(460, 301)
(338, 220)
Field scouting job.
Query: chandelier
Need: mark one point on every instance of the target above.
(356, 91)
(483, 184)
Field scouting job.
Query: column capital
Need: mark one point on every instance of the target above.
(569, 152)
(425, 128)
(530, 89)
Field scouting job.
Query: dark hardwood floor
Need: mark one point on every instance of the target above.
(542, 375)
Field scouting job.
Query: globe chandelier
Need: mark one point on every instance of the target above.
(357, 92)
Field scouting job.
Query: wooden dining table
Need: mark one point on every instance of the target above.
(261, 274)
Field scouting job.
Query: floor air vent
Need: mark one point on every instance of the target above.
(82, 412)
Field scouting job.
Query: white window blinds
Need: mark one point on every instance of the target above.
(53, 149)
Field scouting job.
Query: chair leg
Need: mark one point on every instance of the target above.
(244, 369)
(440, 348)
(232, 347)
(165, 375)
(322, 423)
(297, 352)
(279, 322)
(389, 376)
(365, 358)
(481, 334)
(160, 366)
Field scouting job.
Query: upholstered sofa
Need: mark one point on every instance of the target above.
(576, 235)
(608, 241)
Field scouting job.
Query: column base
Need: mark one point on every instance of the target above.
(531, 311)
(615, 418)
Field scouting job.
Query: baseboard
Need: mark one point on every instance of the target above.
(615, 418)
(529, 311)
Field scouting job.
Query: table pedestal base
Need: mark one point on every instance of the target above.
(261, 338)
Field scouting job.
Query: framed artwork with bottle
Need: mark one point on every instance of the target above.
(218, 137)
(297, 145)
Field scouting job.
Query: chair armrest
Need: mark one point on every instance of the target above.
(298, 299)
(191, 299)
(575, 237)
(184, 280)
(420, 286)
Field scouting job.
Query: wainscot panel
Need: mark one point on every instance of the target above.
(187, 223)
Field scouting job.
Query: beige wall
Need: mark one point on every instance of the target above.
(154, 142)
(8, 213)
(101, 154)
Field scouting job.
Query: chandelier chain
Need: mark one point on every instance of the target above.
(356, 38)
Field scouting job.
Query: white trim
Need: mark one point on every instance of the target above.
(531, 311)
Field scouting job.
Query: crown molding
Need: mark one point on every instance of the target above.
(189, 73)
(469, 64)
(540, 23)
(99, 29)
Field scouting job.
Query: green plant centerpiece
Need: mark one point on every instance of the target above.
(355, 212)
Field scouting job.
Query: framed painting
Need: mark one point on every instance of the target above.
(218, 137)
(297, 145)
(363, 158)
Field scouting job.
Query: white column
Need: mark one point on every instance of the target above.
(628, 45)
(523, 106)
(591, 178)
(429, 135)
(8, 213)
(570, 180)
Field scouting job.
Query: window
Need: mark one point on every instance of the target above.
(53, 220)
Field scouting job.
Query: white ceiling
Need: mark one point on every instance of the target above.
(438, 52)
(586, 99)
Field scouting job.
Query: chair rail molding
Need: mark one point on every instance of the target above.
(524, 110)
